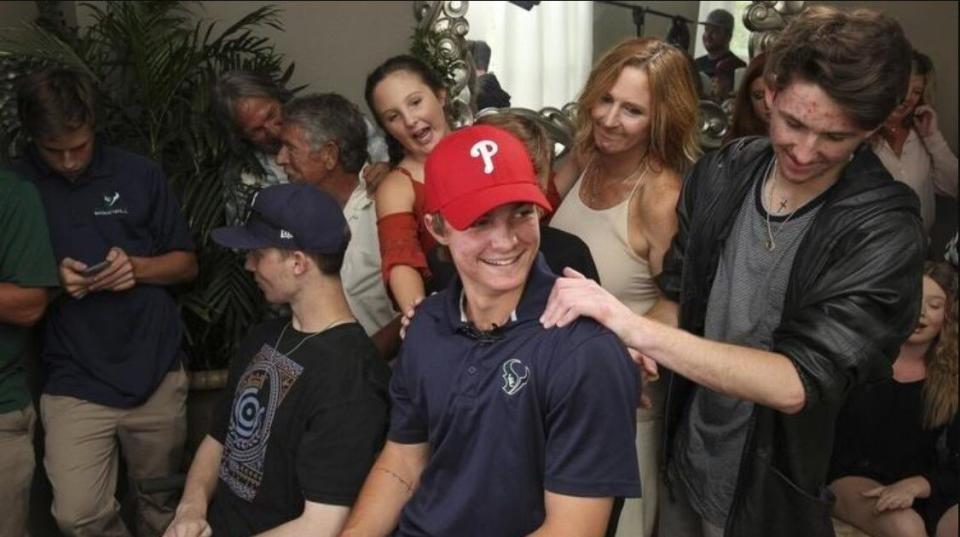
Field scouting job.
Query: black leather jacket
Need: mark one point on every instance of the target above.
(853, 297)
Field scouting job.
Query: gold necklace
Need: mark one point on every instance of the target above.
(770, 244)
(276, 346)
(595, 179)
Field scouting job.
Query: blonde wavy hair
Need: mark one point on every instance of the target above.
(940, 390)
(674, 139)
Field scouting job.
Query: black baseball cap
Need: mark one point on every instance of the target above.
(289, 217)
(720, 18)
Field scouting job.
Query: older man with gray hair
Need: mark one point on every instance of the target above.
(323, 142)
(249, 105)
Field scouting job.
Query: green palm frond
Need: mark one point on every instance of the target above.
(154, 63)
(29, 40)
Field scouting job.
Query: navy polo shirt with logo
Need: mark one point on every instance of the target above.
(511, 413)
(110, 348)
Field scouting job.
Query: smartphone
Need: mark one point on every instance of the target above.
(95, 269)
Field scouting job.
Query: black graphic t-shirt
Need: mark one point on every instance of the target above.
(296, 425)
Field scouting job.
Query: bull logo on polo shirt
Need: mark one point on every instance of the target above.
(110, 205)
(515, 376)
(485, 149)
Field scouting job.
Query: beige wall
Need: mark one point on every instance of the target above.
(612, 24)
(333, 44)
(13, 13)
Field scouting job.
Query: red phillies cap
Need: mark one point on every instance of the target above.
(475, 170)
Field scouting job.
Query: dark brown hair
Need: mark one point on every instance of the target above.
(745, 121)
(409, 64)
(55, 101)
(861, 59)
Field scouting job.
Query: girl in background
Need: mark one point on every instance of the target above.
(887, 474)
(751, 116)
(407, 98)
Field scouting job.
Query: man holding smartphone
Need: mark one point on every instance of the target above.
(112, 345)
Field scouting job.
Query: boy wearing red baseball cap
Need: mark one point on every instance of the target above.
(499, 427)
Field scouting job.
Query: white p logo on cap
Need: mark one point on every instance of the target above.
(485, 149)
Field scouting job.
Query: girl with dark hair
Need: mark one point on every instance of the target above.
(888, 476)
(751, 116)
(407, 98)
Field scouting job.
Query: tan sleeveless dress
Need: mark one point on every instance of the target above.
(626, 276)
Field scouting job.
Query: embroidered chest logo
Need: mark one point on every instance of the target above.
(515, 376)
(485, 149)
(111, 205)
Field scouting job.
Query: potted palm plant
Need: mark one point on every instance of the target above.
(154, 63)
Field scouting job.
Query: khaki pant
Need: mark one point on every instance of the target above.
(82, 442)
(640, 514)
(16, 469)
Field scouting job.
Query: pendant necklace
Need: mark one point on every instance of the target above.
(770, 243)
(276, 346)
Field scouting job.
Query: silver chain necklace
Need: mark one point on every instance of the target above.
(771, 244)
(276, 346)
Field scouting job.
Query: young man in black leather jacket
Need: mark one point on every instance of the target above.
(795, 274)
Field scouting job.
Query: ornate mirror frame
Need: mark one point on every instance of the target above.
(441, 35)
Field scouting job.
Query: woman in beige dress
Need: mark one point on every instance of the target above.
(636, 135)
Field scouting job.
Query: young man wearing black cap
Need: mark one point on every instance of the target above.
(306, 406)
(719, 63)
(498, 426)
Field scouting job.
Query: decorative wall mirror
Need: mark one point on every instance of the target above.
(443, 28)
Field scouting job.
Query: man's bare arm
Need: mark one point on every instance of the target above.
(390, 484)
(191, 515)
(22, 306)
(573, 516)
(387, 339)
(763, 377)
(173, 267)
(317, 520)
(125, 271)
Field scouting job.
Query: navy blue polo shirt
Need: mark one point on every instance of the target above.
(507, 418)
(110, 348)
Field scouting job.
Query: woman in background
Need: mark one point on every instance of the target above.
(886, 472)
(912, 148)
(636, 134)
(751, 117)
(407, 98)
